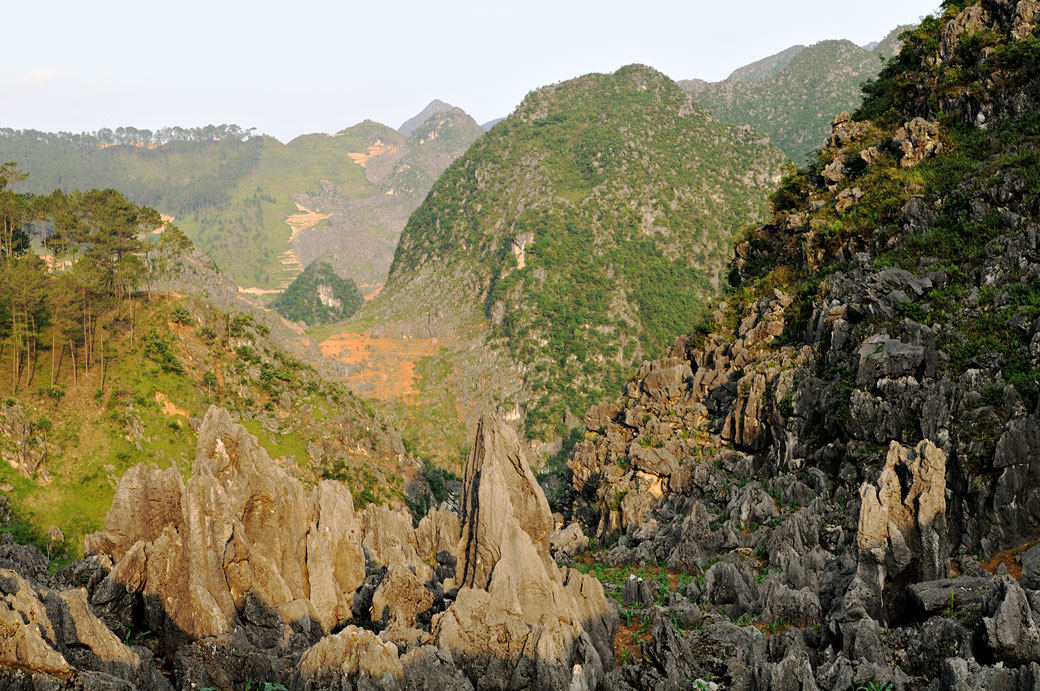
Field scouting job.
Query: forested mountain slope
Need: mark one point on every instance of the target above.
(261, 209)
(584, 231)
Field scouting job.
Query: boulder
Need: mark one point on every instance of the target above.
(400, 598)
(1012, 632)
(917, 140)
(569, 541)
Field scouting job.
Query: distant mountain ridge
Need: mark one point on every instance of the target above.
(255, 205)
(434, 107)
(760, 69)
(793, 95)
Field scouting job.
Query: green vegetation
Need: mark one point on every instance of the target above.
(600, 215)
(101, 374)
(232, 191)
(794, 96)
(969, 189)
(318, 296)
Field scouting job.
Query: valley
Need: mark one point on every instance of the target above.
(609, 395)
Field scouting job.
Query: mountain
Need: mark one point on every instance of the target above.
(254, 204)
(435, 107)
(582, 232)
(760, 69)
(491, 123)
(361, 232)
(847, 450)
(793, 95)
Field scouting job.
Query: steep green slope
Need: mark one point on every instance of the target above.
(580, 234)
(792, 96)
(239, 197)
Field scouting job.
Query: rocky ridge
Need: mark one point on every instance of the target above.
(792, 95)
(841, 465)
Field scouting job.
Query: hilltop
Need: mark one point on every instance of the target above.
(582, 232)
(792, 96)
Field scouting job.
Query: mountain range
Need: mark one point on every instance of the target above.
(581, 233)
(782, 422)
(262, 209)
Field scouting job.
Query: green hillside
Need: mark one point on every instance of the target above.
(582, 233)
(99, 375)
(793, 95)
(238, 196)
(318, 296)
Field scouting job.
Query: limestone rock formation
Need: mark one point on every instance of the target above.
(239, 525)
(902, 527)
(517, 616)
(847, 480)
(917, 140)
(49, 638)
(243, 572)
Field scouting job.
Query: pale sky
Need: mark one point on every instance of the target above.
(291, 68)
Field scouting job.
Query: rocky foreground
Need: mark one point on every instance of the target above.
(242, 575)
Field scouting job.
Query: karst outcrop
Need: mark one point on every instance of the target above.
(244, 572)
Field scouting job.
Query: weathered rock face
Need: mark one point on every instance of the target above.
(521, 620)
(902, 528)
(243, 572)
(50, 638)
(246, 557)
(917, 140)
(240, 525)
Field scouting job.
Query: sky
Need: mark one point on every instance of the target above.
(291, 68)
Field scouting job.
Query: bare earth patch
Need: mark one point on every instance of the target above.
(373, 151)
(381, 367)
(168, 406)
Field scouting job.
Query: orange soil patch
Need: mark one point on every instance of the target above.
(629, 638)
(304, 220)
(378, 150)
(383, 368)
(166, 220)
(168, 407)
(370, 290)
(1009, 558)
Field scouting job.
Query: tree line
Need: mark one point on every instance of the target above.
(134, 136)
(72, 262)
